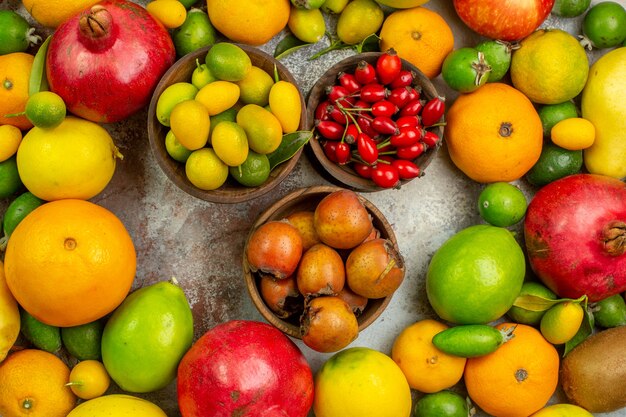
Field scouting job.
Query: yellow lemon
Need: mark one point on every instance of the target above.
(284, 100)
(574, 134)
(51, 13)
(89, 379)
(230, 143)
(255, 87)
(190, 124)
(562, 410)
(358, 20)
(117, 405)
(205, 169)
(10, 138)
(171, 13)
(170, 97)
(561, 322)
(218, 96)
(73, 160)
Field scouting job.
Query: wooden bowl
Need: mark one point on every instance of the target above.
(344, 173)
(307, 199)
(231, 191)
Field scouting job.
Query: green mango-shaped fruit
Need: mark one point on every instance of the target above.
(147, 336)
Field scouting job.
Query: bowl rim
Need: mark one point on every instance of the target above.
(345, 174)
(368, 316)
(169, 167)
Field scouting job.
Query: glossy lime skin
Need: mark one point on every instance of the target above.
(554, 163)
(441, 404)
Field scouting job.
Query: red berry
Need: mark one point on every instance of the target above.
(348, 81)
(400, 96)
(407, 136)
(330, 149)
(406, 169)
(337, 115)
(365, 73)
(410, 152)
(384, 125)
(321, 111)
(329, 129)
(343, 153)
(433, 111)
(372, 93)
(385, 175)
(365, 123)
(363, 170)
(431, 139)
(335, 92)
(351, 134)
(408, 121)
(366, 147)
(412, 108)
(404, 79)
(388, 66)
(384, 108)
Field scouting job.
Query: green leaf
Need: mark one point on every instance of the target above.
(585, 330)
(369, 44)
(289, 146)
(288, 45)
(38, 81)
(334, 45)
(537, 303)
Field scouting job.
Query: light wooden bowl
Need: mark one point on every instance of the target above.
(344, 173)
(231, 191)
(307, 199)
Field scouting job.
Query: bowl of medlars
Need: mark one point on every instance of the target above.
(322, 264)
(226, 122)
(378, 121)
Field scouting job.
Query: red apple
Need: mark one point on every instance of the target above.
(244, 368)
(509, 20)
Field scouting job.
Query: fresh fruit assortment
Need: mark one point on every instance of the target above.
(70, 331)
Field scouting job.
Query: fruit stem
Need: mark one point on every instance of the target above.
(31, 37)
(481, 67)
(614, 238)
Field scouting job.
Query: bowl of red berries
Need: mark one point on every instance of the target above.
(377, 120)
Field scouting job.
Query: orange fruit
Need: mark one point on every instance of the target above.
(518, 378)
(494, 134)
(419, 35)
(33, 384)
(14, 75)
(253, 22)
(70, 262)
(427, 369)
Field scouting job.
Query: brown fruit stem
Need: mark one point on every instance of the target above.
(97, 27)
(521, 375)
(614, 237)
(481, 67)
(27, 404)
(506, 129)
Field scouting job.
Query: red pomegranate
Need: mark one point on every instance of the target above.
(106, 61)
(244, 368)
(575, 232)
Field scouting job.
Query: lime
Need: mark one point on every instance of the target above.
(43, 336)
(551, 114)
(254, 171)
(18, 209)
(498, 56)
(45, 109)
(554, 163)
(10, 181)
(255, 88)
(442, 404)
(228, 61)
(15, 33)
(230, 143)
(610, 312)
(570, 8)
(502, 204)
(229, 115)
(10, 138)
(465, 70)
(604, 25)
(89, 379)
(170, 97)
(173, 147)
(523, 316)
(190, 124)
(196, 32)
(83, 342)
(201, 76)
(561, 322)
(205, 170)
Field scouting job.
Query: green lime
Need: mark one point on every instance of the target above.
(465, 70)
(205, 170)
(502, 204)
(196, 32)
(570, 8)
(610, 312)
(604, 25)
(229, 115)
(255, 88)
(188, 3)
(254, 171)
(45, 109)
(10, 181)
(554, 163)
(228, 62)
(15, 33)
(561, 322)
(524, 316)
(498, 56)
(551, 114)
(18, 209)
(442, 404)
(43, 336)
(174, 148)
(83, 342)
(201, 76)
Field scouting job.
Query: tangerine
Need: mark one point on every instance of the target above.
(518, 378)
(70, 262)
(494, 134)
(14, 76)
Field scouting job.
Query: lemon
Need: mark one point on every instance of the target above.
(10, 138)
(561, 322)
(358, 20)
(573, 134)
(174, 148)
(45, 109)
(89, 379)
(308, 25)
(550, 66)
(119, 404)
(171, 13)
(284, 100)
(190, 124)
(562, 410)
(228, 62)
(205, 169)
(218, 96)
(170, 97)
(230, 143)
(74, 160)
(255, 88)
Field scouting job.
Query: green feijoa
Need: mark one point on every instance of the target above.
(16, 35)
(498, 56)
(570, 8)
(554, 163)
(18, 209)
(604, 25)
(254, 171)
(472, 340)
(196, 32)
(83, 342)
(443, 404)
(524, 316)
(465, 70)
(42, 335)
(610, 312)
